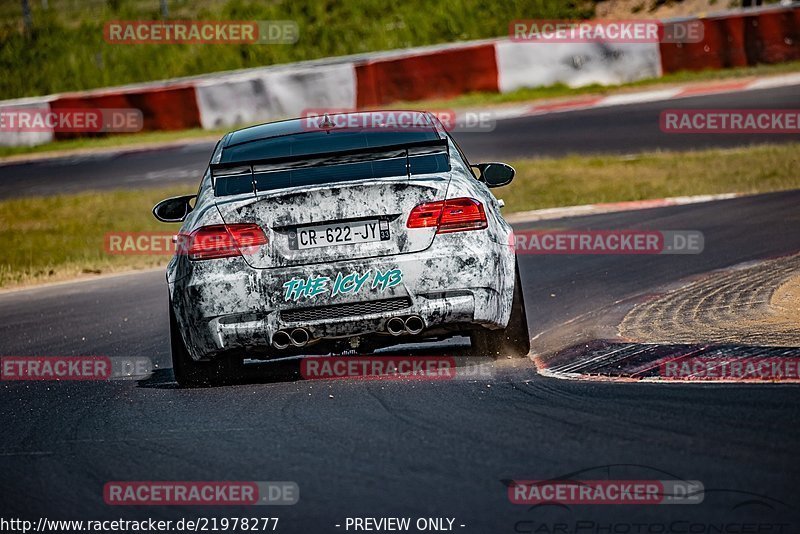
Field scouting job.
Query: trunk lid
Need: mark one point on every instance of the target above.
(334, 222)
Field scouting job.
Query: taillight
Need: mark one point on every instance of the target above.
(425, 215)
(454, 215)
(221, 241)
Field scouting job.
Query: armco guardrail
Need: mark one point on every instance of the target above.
(220, 100)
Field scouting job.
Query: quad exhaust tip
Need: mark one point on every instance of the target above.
(395, 326)
(414, 325)
(411, 325)
(281, 340)
(299, 337)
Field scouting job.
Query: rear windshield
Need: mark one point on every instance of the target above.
(323, 141)
(328, 174)
(350, 171)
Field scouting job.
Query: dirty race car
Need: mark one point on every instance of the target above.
(319, 235)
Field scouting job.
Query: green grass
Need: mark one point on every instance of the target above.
(57, 238)
(66, 50)
(61, 237)
(575, 180)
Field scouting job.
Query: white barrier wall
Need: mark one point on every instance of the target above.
(17, 138)
(263, 95)
(530, 64)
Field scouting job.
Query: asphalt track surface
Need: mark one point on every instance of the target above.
(409, 448)
(618, 129)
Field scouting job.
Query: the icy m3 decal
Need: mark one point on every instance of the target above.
(349, 284)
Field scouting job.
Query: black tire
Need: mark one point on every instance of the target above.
(192, 374)
(512, 341)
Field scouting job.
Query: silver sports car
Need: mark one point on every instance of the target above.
(339, 235)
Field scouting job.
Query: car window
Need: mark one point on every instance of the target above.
(321, 142)
(351, 171)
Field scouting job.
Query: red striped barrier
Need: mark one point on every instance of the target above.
(775, 37)
(163, 108)
(738, 40)
(439, 74)
(722, 47)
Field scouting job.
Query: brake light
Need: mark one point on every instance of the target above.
(425, 215)
(453, 215)
(221, 241)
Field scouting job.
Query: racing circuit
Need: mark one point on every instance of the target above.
(410, 448)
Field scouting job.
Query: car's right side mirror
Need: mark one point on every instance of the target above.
(496, 174)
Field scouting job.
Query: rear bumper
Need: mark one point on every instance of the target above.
(223, 305)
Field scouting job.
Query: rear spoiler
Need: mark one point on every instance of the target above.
(406, 150)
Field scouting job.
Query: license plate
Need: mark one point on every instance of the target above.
(345, 233)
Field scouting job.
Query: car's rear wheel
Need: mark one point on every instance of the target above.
(514, 340)
(189, 373)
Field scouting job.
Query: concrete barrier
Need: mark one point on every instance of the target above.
(722, 47)
(744, 38)
(530, 64)
(437, 74)
(270, 94)
(19, 138)
(170, 107)
(774, 38)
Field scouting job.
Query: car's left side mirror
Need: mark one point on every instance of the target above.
(173, 209)
(496, 174)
